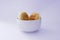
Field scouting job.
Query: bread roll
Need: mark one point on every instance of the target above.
(23, 16)
(34, 16)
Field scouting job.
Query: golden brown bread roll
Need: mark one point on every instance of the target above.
(23, 16)
(34, 16)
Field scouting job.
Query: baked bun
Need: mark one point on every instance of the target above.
(34, 16)
(23, 16)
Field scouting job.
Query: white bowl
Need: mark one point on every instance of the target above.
(29, 25)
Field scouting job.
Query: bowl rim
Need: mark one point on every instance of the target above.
(29, 20)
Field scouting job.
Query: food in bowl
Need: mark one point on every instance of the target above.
(30, 23)
(33, 16)
(23, 16)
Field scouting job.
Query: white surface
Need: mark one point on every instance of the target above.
(50, 28)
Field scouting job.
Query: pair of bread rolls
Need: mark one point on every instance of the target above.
(33, 16)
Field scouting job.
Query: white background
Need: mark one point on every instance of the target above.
(48, 9)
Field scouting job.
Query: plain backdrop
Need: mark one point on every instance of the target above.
(48, 9)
